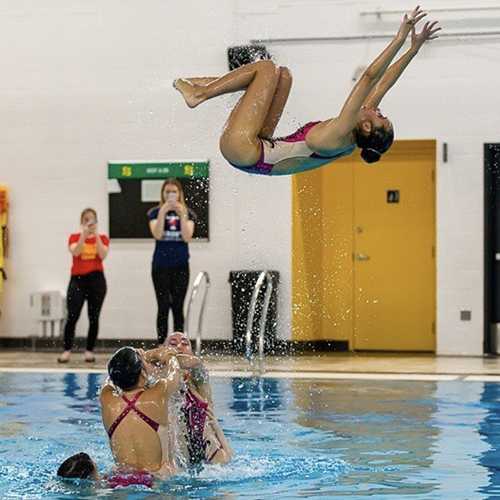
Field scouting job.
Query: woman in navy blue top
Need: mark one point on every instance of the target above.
(172, 225)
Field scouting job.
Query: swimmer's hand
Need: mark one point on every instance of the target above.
(409, 21)
(160, 355)
(188, 361)
(428, 33)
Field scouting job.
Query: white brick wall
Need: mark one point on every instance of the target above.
(84, 82)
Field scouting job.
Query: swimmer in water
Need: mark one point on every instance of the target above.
(202, 438)
(246, 141)
(81, 466)
(135, 412)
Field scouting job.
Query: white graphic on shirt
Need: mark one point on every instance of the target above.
(172, 230)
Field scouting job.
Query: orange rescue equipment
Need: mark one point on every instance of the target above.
(4, 237)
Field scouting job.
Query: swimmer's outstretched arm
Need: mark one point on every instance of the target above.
(159, 355)
(173, 375)
(163, 355)
(348, 117)
(392, 75)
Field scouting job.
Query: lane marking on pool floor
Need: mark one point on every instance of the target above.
(298, 375)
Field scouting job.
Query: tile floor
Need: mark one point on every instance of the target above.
(328, 363)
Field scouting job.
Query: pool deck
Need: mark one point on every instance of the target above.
(318, 366)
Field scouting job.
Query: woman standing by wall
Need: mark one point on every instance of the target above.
(87, 283)
(172, 226)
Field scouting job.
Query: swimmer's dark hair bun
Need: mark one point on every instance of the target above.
(79, 466)
(124, 367)
(118, 374)
(370, 155)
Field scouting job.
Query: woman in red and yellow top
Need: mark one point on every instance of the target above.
(87, 283)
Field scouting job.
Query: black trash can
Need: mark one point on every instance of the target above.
(242, 286)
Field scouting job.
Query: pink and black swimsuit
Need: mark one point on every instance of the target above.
(201, 439)
(131, 406)
(291, 151)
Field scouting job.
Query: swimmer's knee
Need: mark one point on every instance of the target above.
(285, 73)
(239, 149)
(269, 66)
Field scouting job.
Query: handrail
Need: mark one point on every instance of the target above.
(194, 291)
(264, 275)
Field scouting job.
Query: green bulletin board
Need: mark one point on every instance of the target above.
(134, 188)
(158, 170)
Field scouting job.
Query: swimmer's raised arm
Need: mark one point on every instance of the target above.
(348, 117)
(159, 355)
(164, 354)
(169, 362)
(173, 375)
(392, 75)
(200, 379)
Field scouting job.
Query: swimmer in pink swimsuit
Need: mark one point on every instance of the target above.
(135, 411)
(247, 142)
(203, 438)
(81, 466)
(281, 154)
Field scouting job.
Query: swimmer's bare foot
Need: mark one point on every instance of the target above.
(190, 92)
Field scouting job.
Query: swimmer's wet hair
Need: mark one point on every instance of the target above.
(375, 144)
(79, 466)
(124, 368)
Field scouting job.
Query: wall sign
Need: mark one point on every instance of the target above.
(393, 196)
(158, 170)
(134, 188)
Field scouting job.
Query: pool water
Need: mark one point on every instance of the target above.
(292, 438)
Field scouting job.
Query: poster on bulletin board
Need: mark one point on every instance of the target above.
(134, 187)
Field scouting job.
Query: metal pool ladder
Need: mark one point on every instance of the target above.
(194, 291)
(264, 275)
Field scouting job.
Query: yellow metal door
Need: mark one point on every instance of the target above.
(394, 250)
(363, 265)
(307, 251)
(322, 242)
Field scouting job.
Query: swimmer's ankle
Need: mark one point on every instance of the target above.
(192, 95)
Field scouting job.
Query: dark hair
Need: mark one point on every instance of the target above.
(124, 368)
(373, 145)
(79, 466)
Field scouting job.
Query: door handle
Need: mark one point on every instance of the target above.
(362, 256)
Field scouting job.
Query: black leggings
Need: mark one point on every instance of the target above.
(86, 287)
(171, 284)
